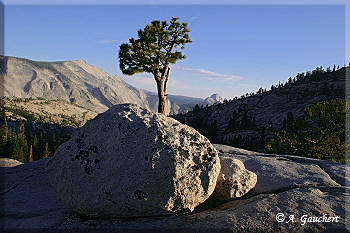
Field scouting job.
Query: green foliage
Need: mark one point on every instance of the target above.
(289, 124)
(46, 152)
(321, 135)
(254, 143)
(329, 116)
(13, 144)
(233, 123)
(325, 85)
(153, 51)
(240, 122)
(19, 145)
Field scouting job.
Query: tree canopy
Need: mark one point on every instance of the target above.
(153, 51)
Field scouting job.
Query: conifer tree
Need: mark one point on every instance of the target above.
(46, 152)
(20, 150)
(233, 123)
(3, 137)
(11, 141)
(30, 156)
(35, 148)
(41, 145)
(153, 52)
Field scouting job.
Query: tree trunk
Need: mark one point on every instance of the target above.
(161, 97)
(30, 157)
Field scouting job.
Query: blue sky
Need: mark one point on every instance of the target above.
(236, 48)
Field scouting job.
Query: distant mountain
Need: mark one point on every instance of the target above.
(189, 102)
(181, 100)
(248, 122)
(75, 82)
(185, 103)
(213, 99)
(178, 99)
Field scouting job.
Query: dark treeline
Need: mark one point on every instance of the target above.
(209, 129)
(315, 75)
(28, 141)
(237, 124)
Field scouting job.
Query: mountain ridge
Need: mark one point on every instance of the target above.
(248, 122)
(75, 81)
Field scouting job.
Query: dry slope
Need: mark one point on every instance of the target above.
(73, 81)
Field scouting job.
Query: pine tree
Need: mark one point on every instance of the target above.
(20, 150)
(36, 151)
(153, 51)
(245, 121)
(46, 152)
(11, 141)
(3, 138)
(233, 122)
(30, 157)
(196, 108)
(27, 130)
(253, 122)
(53, 145)
(41, 145)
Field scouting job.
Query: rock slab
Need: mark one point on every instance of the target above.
(277, 173)
(131, 162)
(29, 203)
(7, 162)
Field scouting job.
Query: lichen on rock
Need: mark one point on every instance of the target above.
(129, 161)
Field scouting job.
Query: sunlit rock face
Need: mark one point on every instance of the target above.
(129, 161)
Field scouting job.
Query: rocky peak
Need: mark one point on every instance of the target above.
(213, 99)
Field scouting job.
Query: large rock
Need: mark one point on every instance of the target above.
(234, 180)
(129, 161)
